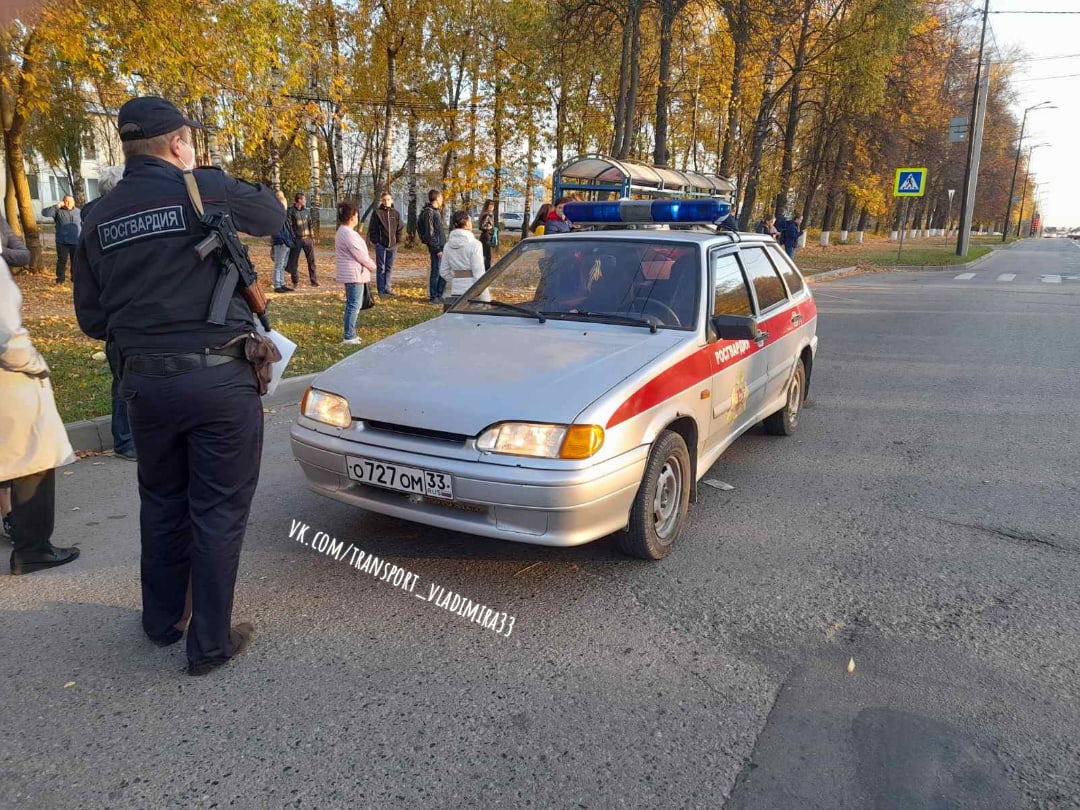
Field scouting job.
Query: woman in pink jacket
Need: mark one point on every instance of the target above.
(352, 266)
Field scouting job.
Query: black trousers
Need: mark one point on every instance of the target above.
(198, 437)
(293, 267)
(65, 258)
(33, 511)
(487, 254)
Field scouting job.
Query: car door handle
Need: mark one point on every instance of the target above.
(796, 318)
(761, 338)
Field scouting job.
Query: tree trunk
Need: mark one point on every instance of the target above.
(498, 133)
(761, 133)
(14, 119)
(624, 82)
(11, 205)
(382, 176)
(474, 98)
(737, 21)
(413, 180)
(635, 81)
(669, 9)
(787, 160)
(530, 163)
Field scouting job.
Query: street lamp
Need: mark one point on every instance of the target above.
(1023, 196)
(1016, 165)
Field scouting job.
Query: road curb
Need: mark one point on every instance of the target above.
(905, 268)
(95, 435)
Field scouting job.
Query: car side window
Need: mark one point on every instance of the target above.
(730, 295)
(787, 270)
(759, 270)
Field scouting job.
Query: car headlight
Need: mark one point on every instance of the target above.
(330, 409)
(542, 441)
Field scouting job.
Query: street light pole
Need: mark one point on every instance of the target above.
(1016, 166)
(967, 198)
(1023, 196)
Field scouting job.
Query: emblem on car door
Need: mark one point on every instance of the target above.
(739, 395)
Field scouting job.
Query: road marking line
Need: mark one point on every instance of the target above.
(964, 276)
(1051, 279)
(1006, 277)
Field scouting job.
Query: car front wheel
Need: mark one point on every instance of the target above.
(659, 511)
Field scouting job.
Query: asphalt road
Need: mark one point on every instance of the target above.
(923, 522)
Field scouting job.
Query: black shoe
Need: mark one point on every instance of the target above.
(240, 636)
(167, 640)
(127, 455)
(27, 562)
(281, 289)
(389, 294)
(314, 284)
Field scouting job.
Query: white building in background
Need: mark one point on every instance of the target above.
(49, 184)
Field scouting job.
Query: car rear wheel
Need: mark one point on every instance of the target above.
(786, 420)
(659, 511)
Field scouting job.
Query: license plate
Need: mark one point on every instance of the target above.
(402, 479)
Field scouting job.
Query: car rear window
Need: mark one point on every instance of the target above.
(759, 270)
(783, 264)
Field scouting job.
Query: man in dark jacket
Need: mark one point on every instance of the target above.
(68, 227)
(790, 233)
(430, 227)
(385, 232)
(303, 240)
(731, 221)
(193, 399)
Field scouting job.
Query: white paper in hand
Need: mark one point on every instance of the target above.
(286, 347)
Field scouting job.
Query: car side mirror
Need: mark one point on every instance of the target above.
(735, 327)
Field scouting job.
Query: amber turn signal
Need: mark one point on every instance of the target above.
(582, 441)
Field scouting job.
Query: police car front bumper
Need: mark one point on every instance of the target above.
(551, 507)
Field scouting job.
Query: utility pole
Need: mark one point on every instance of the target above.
(971, 168)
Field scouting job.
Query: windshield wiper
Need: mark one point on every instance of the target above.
(630, 320)
(532, 313)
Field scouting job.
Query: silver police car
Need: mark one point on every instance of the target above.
(582, 387)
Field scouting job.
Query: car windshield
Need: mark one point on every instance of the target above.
(632, 281)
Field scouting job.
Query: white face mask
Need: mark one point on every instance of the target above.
(183, 163)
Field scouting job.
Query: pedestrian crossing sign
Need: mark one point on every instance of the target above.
(910, 183)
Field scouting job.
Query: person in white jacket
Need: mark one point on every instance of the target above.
(33, 440)
(463, 256)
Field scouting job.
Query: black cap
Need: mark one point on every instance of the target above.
(149, 116)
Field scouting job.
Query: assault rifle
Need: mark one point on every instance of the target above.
(236, 268)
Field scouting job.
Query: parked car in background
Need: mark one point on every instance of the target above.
(512, 221)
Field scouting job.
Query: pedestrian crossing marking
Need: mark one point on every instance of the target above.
(1045, 278)
(910, 184)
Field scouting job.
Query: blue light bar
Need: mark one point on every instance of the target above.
(626, 212)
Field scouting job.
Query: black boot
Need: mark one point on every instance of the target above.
(240, 636)
(27, 562)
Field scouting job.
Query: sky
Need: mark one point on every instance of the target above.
(1056, 167)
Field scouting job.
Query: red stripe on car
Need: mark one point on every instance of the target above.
(703, 364)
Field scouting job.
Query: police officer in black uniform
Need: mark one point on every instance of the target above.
(195, 411)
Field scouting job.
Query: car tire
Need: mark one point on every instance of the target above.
(785, 421)
(663, 499)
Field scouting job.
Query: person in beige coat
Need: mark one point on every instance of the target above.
(33, 441)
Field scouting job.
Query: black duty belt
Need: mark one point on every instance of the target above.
(165, 365)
